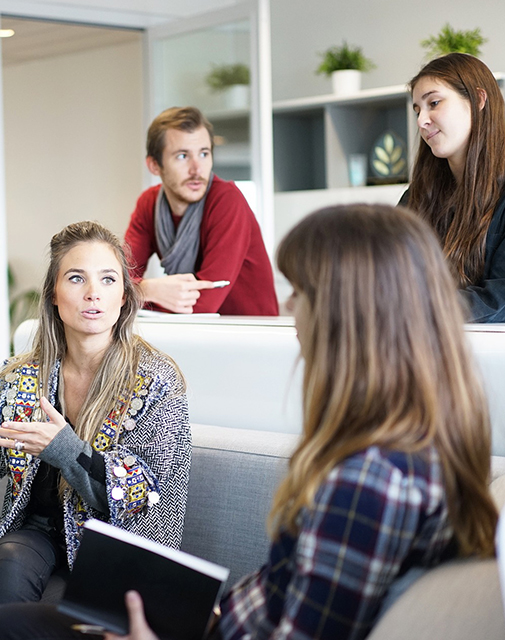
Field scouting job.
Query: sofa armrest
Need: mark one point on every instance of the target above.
(458, 600)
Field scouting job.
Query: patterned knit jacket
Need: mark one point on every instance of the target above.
(147, 457)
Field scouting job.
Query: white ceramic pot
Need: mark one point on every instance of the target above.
(237, 96)
(346, 82)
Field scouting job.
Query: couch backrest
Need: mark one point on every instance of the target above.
(240, 372)
(234, 474)
(488, 344)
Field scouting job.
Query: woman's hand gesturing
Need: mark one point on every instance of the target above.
(32, 437)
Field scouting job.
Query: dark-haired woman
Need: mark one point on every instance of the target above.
(95, 420)
(459, 175)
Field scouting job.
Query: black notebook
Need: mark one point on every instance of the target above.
(179, 590)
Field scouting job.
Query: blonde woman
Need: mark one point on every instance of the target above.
(95, 421)
(391, 471)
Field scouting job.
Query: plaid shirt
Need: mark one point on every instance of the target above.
(377, 514)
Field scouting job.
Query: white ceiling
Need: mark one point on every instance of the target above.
(132, 13)
(36, 39)
(43, 38)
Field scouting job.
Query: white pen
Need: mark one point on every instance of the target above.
(92, 629)
(219, 284)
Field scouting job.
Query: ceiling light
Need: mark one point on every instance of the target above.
(6, 33)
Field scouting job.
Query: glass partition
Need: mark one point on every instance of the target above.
(210, 69)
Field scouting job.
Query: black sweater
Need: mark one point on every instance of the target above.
(486, 299)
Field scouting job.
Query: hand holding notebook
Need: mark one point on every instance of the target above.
(179, 591)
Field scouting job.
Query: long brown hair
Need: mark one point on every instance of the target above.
(386, 361)
(461, 213)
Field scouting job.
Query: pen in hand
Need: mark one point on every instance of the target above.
(219, 284)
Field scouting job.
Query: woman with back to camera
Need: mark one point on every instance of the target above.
(459, 175)
(95, 421)
(392, 468)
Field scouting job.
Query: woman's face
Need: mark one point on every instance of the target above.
(298, 304)
(444, 121)
(89, 291)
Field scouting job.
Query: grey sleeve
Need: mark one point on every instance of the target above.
(81, 466)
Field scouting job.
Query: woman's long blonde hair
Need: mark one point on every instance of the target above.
(117, 371)
(386, 362)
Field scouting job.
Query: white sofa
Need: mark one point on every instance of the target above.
(244, 372)
(241, 372)
(245, 391)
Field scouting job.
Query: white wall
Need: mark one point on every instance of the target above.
(73, 147)
(388, 30)
(186, 60)
(291, 207)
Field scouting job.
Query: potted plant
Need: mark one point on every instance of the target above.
(448, 40)
(234, 80)
(345, 64)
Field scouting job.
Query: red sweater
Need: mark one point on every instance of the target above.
(231, 248)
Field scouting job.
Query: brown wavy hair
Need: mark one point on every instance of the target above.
(386, 361)
(461, 213)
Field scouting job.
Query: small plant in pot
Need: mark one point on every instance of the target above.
(234, 79)
(448, 40)
(345, 64)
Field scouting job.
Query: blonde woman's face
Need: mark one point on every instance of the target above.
(298, 304)
(89, 291)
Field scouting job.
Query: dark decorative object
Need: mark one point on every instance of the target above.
(388, 159)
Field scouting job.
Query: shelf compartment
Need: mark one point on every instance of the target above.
(299, 157)
(354, 129)
(314, 137)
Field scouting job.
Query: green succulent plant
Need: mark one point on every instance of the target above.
(344, 57)
(223, 76)
(448, 40)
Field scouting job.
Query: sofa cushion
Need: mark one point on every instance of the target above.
(459, 600)
(234, 474)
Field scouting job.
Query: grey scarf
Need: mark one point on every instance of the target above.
(178, 251)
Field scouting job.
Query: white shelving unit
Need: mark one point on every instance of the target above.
(313, 137)
(364, 95)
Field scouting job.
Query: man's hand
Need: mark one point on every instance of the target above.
(177, 293)
(33, 436)
(139, 629)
